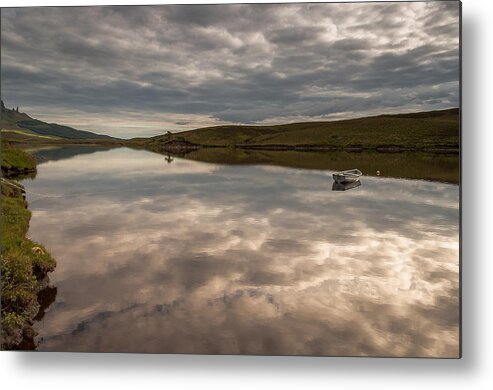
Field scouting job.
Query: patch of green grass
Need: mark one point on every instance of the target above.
(24, 134)
(14, 158)
(24, 262)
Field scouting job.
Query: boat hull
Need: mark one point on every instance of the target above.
(349, 176)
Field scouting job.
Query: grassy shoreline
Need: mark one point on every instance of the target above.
(16, 162)
(25, 263)
(181, 146)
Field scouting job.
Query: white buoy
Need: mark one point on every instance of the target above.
(378, 173)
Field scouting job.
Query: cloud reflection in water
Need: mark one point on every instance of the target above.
(204, 258)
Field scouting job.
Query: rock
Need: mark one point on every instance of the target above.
(37, 250)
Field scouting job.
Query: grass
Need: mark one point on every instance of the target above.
(25, 263)
(14, 159)
(24, 135)
(416, 131)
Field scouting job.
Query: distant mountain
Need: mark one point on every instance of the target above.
(20, 125)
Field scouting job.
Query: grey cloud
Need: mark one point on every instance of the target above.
(231, 63)
(294, 36)
(352, 44)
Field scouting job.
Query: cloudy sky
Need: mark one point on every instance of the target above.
(137, 71)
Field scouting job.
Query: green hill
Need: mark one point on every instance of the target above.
(432, 129)
(18, 126)
(11, 117)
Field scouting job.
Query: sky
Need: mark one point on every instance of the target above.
(134, 71)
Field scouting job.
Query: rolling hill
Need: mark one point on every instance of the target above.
(433, 129)
(18, 126)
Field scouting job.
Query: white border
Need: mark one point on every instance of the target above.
(474, 370)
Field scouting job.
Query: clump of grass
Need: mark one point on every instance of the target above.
(25, 263)
(16, 159)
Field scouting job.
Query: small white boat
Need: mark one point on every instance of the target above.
(349, 176)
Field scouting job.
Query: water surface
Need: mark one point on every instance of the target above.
(175, 255)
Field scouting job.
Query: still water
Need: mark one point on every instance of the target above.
(172, 255)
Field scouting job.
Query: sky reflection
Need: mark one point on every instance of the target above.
(205, 258)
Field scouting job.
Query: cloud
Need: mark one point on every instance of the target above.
(228, 63)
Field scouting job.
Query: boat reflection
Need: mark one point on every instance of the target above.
(345, 186)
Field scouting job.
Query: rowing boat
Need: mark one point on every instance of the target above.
(349, 176)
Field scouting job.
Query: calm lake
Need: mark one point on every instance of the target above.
(174, 255)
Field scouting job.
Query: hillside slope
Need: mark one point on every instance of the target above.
(11, 117)
(416, 130)
(18, 126)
